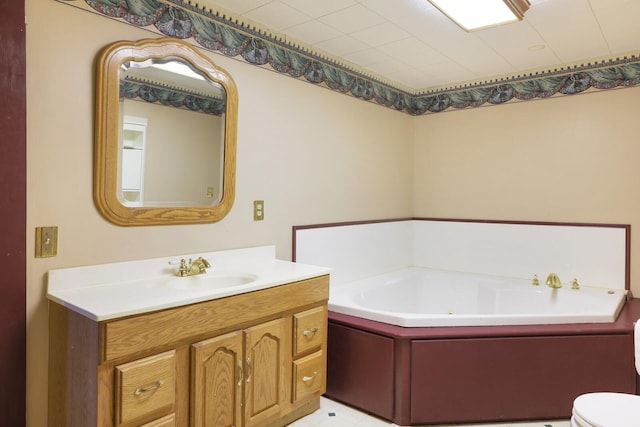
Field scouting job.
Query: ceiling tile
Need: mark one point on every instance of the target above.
(413, 78)
(341, 45)
(447, 72)
(380, 34)
(312, 32)
(366, 57)
(507, 40)
(598, 5)
(397, 11)
(582, 39)
(523, 49)
(477, 57)
(433, 27)
(316, 8)
(425, 59)
(415, 45)
(352, 19)
(387, 66)
(276, 15)
(413, 51)
(621, 25)
(237, 6)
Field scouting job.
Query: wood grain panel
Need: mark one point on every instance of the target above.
(265, 355)
(141, 333)
(308, 373)
(87, 390)
(168, 421)
(145, 386)
(309, 330)
(216, 381)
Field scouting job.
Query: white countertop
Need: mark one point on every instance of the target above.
(109, 291)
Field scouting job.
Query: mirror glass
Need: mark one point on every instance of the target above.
(172, 123)
(165, 136)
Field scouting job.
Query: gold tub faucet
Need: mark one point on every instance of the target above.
(193, 268)
(553, 281)
(574, 284)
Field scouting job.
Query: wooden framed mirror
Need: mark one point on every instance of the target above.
(165, 138)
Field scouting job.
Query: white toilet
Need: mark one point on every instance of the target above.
(609, 409)
(606, 410)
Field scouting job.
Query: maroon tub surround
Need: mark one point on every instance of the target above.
(435, 374)
(441, 375)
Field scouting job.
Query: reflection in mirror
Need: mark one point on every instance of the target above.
(182, 115)
(171, 158)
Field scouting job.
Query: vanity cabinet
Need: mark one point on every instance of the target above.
(254, 359)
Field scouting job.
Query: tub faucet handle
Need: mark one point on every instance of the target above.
(553, 281)
(575, 284)
(535, 281)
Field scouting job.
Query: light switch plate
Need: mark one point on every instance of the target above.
(46, 242)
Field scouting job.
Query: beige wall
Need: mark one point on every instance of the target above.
(312, 155)
(572, 158)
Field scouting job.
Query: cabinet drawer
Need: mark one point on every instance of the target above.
(145, 388)
(168, 421)
(308, 376)
(309, 330)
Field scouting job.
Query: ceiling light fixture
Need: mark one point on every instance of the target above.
(473, 15)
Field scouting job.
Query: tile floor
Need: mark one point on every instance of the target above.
(335, 414)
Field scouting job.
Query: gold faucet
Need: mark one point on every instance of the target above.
(553, 281)
(193, 268)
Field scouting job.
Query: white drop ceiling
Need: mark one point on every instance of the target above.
(409, 43)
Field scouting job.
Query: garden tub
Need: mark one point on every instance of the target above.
(420, 297)
(413, 340)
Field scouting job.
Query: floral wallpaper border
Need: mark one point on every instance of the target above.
(156, 93)
(213, 32)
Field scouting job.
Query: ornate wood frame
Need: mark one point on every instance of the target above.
(106, 134)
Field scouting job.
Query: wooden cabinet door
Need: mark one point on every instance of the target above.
(264, 361)
(216, 381)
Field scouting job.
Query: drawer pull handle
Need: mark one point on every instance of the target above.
(141, 390)
(307, 379)
(309, 332)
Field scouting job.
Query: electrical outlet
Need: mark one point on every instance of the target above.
(46, 242)
(258, 210)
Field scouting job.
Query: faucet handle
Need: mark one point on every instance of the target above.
(204, 262)
(183, 270)
(535, 281)
(574, 284)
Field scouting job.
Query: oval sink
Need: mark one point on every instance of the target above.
(212, 280)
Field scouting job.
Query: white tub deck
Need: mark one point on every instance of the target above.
(421, 297)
